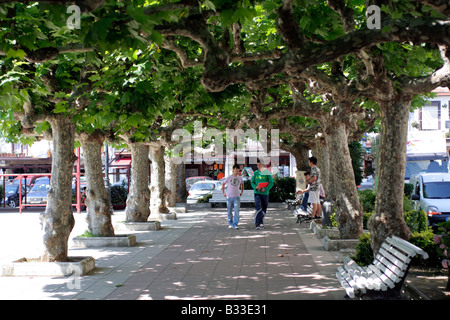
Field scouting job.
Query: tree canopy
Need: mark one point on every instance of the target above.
(135, 67)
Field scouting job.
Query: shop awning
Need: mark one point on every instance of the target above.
(122, 163)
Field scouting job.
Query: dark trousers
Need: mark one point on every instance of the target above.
(304, 205)
(261, 203)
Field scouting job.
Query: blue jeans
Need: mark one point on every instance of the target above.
(304, 205)
(261, 203)
(234, 202)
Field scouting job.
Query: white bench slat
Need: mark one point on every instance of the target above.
(383, 277)
(357, 274)
(399, 273)
(395, 256)
(247, 196)
(363, 278)
(387, 270)
(397, 266)
(378, 283)
(411, 249)
(348, 289)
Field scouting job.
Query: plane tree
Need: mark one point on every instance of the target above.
(309, 34)
(36, 96)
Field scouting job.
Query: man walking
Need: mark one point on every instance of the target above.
(235, 188)
(261, 182)
(314, 189)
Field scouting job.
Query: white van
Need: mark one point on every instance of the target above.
(432, 194)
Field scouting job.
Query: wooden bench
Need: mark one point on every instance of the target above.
(217, 197)
(384, 278)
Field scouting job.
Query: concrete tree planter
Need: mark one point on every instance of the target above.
(343, 253)
(337, 244)
(138, 226)
(321, 232)
(127, 240)
(164, 216)
(179, 208)
(33, 267)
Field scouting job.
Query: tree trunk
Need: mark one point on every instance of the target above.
(182, 193)
(158, 190)
(320, 149)
(138, 201)
(98, 202)
(300, 151)
(388, 217)
(57, 221)
(349, 213)
(171, 181)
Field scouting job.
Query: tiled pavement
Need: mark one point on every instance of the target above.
(194, 257)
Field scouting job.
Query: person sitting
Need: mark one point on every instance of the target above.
(305, 192)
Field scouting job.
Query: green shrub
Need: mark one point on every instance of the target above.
(283, 189)
(408, 204)
(364, 253)
(424, 240)
(248, 185)
(366, 218)
(333, 219)
(205, 199)
(367, 199)
(416, 220)
(119, 194)
(408, 189)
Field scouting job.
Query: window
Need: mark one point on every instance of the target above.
(430, 116)
(437, 190)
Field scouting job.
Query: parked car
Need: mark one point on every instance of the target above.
(201, 189)
(12, 194)
(38, 194)
(432, 194)
(29, 181)
(191, 180)
(42, 180)
(366, 183)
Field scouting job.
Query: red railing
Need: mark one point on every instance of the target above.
(24, 177)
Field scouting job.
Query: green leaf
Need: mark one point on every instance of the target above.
(19, 53)
(60, 107)
(134, 120)
(156, 37)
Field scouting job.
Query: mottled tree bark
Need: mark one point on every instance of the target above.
(300, 151)
(138, 200)
(158, 190)
(182, 193)
(57, 221)
(320, 150)
(98, 202)
(171, 181)
(349, 213)
(388, 218)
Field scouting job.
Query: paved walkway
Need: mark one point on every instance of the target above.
(194, 257)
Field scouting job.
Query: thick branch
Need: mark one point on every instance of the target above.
(440, 78)
(288, 26)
